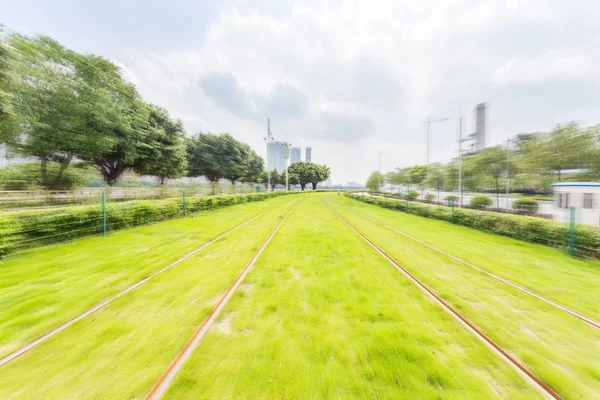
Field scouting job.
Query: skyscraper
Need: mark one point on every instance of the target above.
(296, 154)
(275, 156)
(308, 154)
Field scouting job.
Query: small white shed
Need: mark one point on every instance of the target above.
(584, 196)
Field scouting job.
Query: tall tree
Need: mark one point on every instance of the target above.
(7, 116)
(167, 146)
(417, 175)
(300, 173)
(375, 181)
(567, 146)
(319, 173)
(491, 163)
(435, 178)
(254, 169)
(61, 103)
(204, 152)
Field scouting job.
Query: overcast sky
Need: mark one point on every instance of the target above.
(350, 79)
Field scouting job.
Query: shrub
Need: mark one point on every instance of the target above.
(530, 229)
(34, 228)
(451, 199)
(525, 205)
(411, 195)
(481, 201)
(429, 196)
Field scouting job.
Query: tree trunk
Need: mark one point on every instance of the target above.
(43, 168)
(498, 196)
(314, 185)
(162, 180)
(302, 186)
(63, 166)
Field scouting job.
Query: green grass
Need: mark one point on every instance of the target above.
(46, 287)
(549, 272)
(321, 315)
(560, 349)
(120, 351)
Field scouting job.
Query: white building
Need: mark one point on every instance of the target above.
(296, 154)
(276, 156)
(584, 196)
(308, 154)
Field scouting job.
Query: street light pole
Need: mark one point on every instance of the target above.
(429, 122)
(269, 139)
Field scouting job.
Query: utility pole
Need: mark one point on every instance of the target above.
(429, 122)
(269, 139)
(507, 170)
(286, 157)
(460, 159)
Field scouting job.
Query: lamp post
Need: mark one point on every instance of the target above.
(429, 122)
(269, 138)
(286, 156)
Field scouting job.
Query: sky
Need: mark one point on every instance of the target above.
(355, 80)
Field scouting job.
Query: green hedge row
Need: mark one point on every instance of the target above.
(529, 229)
(28, 229)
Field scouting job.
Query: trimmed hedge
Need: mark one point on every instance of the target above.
(481, 201)
(526, 205)
(530, 229)
(28, 229)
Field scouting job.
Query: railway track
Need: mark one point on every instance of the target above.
(7, 359)
(561, 307)
(164, 382)
(540, 385)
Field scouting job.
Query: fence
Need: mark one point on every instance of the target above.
(23, 230)
(577, 239)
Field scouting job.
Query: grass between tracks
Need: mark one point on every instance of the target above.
(322, 315)
(549, 272)
(121, 351)
(46, 287)
(560, 349)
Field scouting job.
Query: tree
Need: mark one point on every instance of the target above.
(60, 104)
(375, 181)
(491, 162)
(167, 139)
(7, 116)
(435, 178)
(417, 175)
(567, 146)
(319, 173)
(203, 154)
(300, 173)
(254, 169)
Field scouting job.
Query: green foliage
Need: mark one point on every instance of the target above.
(429, 196)
(411, 195)
(417, 174)
(28, 176)
(375, 181)
(167, 139)
(302, 173)
(528, 229)
(481, 201)
(27, 229)
(525, 205)
(451, 197)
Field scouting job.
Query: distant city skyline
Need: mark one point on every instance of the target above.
(275, 156)
(308, 154)
(296, 154)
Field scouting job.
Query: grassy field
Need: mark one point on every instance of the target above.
(120, 351)
(559, 348)
(45, 287)
(323, 316)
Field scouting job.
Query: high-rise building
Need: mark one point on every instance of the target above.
(478, 137)
(296, 154)
(308, 154)
(276, 156)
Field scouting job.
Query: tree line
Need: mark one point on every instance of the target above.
(532, 162)
(62, 107)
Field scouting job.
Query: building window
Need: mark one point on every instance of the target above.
(588, 200)
(567, 195)
(558, 200)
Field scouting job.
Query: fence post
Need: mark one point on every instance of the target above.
(572, 232)
(184, 205)
(103, 213)
(452, 211)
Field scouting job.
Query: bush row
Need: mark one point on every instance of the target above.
(34, 228)
(529, 229)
